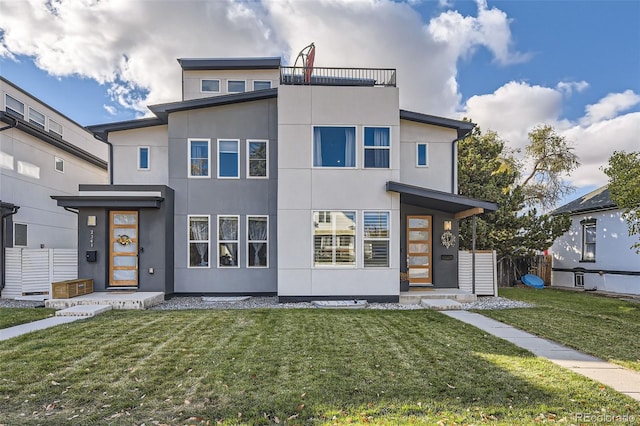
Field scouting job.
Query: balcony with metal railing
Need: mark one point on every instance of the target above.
(323, 76)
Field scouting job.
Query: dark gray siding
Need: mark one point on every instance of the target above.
(212, 196)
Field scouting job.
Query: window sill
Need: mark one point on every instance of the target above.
(587, 261)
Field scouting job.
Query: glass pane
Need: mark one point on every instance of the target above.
(418, 260)
(376, 136)
(228, 228)
(125, 275)
(257, 229)
(235, 86)
(376, 158)
(199, 254)
(376, 225)
(55, 127)
(144, 158)
(199, 167)
(36, 118)
(210, 85)
(422, 154)
(261, 85)
(334, 238)
(125, 219)
(334, 147)
(258, 150)
(418, 273)
(228, 254)
(418, 235)
(199, 228)
(376, 253)
(125, 248)
(418, 248)
(199, 149)
(257, 254)
(418, 223)
(125, 261)
(124, 234)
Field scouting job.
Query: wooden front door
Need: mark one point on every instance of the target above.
(123, 249)
(419, 247)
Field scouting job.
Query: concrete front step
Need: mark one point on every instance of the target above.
(441, 304)
(416, 297)
(117, 300)
(83, 311)
(340, 304)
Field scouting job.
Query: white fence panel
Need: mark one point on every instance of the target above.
(35, 270)
(486, 277)
(13, 273)
(65, 264)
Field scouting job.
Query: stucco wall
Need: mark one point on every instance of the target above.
(192, 79)
(125, 156)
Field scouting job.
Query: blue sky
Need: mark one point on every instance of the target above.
(508, 65)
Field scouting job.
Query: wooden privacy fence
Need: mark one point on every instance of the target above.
(486, 283)
(511, 270)
(30, 272)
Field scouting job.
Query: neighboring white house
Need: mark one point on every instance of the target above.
(42, 152)
(596, 253)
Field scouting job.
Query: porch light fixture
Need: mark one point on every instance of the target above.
(447, 225)
(91, 221)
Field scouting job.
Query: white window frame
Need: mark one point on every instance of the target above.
(266, 142)
(36, 123)
(56, 161)
(14, 234)
(219, 168)
(387, 238)
(219, 241)
(333, 221)
(266, 241)
(237, 81)
(355, 153)
(189, 141)
(261, 81)
(189, 240)
(55, 132)
(426, 153)
(140, 148)
(8, 108)
(585, 225)
(365, 148)
(209, 79)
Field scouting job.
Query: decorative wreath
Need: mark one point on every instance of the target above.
(448, 239)
(124, 239)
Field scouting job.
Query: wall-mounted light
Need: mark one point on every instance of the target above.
(447, 225)
(91, 221)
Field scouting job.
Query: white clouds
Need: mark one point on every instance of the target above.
(568, 87)
(610, 106)
(110, 109)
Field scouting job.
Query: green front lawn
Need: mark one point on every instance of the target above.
(601, 326)
(293, 366)
(16, 316)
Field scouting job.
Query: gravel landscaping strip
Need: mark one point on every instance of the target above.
(11, 303)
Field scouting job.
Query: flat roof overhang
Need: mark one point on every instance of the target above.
(460, 206)
(108, 201)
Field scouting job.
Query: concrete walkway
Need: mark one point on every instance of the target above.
(619, 378)
(18, 330)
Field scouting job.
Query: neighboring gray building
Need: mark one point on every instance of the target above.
(279, 180)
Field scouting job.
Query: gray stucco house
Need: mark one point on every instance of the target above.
(267, 179)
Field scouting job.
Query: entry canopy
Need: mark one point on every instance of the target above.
(460, 206)
(108, 201)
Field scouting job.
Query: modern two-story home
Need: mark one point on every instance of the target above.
(42, 152)
(302, 182)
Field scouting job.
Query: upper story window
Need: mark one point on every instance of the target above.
(20, 234)
(212, 86)
(588, 240)
(14, 106)
(257, 154)
(422, 155)
(199, 154)
(376, 147)
(143, 158)
(228, 158)
(59, 164)
(37, 118)
(334, 146)
(236, 86)
(55, 127)
(261, 84)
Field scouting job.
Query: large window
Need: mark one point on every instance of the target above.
(422, 155)
(198, 241)
(210, 86)
(257, 155)
(55, 127)
(261, 84)
(37, 118)
(376, 239)
(236, 86)
(376, 147)
(228, 158)
(334, 239)
(143, 158)
(257, 239)
(228, 236)
(588, 240)
(20, 234)
(14, 106)
(199, 154)
(334, 146)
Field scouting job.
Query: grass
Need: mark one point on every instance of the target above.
(10, 317)
(601, 326)
(289, 366)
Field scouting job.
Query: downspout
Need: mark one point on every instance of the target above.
(104, 137)
(454, 156)
(3, 244)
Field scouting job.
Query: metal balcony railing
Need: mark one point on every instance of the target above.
(321, 76)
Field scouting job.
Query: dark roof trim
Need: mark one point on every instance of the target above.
(597, 200)
(6, 206)
(108, 201)
(126, 125)
(56, 141)
(463, 127)
(195, 64)
(437, 200)
(163, 110)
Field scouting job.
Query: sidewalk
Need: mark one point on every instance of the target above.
(621, 379)
(18, 330)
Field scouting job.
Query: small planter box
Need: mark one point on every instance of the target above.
(71, 288)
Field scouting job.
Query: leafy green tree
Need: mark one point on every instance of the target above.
(488, 170)
(624, 185)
